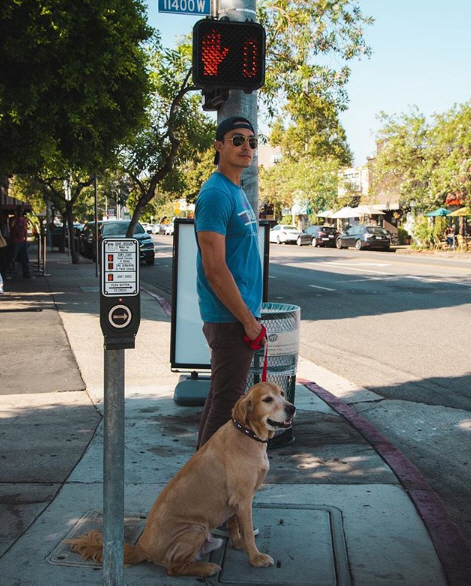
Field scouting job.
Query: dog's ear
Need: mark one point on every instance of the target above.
(241, 409)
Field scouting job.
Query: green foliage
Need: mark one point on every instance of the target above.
(146, 157)
(401, 163)
(309, 45)
(286, 221)
(450, 153)
(439, 225)
(310, 182)
(196, 171)
(423, 160)
(74, 83)
(403, 236)
(423, 233)
(300, 34)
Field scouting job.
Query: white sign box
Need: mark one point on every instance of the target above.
(188, 346)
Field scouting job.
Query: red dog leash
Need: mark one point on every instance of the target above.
(256, 345)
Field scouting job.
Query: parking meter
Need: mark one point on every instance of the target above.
(120, 311)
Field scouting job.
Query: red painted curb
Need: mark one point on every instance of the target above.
(450, 545)
(163, 302)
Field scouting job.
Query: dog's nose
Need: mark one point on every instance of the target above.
(290, 409)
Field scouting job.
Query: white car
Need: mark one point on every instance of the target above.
(155, 228)
(282, 234)
(169, 230)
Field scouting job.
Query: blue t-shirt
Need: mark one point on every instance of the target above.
(223, 207)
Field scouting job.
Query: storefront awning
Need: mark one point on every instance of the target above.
(10, 204)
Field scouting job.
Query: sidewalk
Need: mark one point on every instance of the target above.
(340, 505)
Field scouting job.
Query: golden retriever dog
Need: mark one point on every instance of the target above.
(216, 485)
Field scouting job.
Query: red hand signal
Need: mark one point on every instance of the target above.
(212, 53)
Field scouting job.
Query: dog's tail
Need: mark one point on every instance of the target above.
(90, 547)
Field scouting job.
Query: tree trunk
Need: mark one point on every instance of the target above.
(73, 248)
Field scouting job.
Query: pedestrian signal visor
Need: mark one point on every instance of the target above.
(228, 55)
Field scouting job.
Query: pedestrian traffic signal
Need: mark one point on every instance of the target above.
(228, 55)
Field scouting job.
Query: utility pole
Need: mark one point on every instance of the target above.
(240, 103)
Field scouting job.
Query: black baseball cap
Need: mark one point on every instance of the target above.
(231, 124)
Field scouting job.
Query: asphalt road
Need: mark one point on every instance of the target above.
(396, 325)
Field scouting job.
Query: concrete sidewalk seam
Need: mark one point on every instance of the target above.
(449, 543)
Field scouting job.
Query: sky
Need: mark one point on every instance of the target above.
(421, 56)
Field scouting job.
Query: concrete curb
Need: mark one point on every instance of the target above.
(449, 543)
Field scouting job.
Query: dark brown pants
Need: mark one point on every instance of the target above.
(230, 362)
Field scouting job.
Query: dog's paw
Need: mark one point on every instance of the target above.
(262, 560)
(210, 569)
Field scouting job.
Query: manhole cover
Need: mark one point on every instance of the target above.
(306, 542)
(63, 556)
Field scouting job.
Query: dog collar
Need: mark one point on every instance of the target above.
(248, 432)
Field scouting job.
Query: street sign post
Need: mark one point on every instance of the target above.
(119, 320)
(196, 7)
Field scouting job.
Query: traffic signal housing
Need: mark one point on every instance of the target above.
(228, 55)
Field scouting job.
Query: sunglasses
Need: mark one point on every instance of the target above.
(239, 139)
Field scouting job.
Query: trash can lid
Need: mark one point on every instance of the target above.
(281, 308)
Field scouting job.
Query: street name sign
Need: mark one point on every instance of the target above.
(197, 7)
(120, 270)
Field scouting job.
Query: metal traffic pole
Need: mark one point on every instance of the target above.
(119, 321)
(240, 103)
(113, 469)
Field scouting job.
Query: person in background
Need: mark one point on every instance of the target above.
(229, 272)
(450, 236)
(19, 241)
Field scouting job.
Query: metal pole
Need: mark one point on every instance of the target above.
(113, 469)
(239, 103)
(44, 255)
(95, 191)
(39, 247)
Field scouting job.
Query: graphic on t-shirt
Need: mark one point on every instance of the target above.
(250, 216)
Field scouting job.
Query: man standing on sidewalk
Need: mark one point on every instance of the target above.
(229, 272)
(19, 241)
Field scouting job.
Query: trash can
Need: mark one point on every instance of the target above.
(282, 323)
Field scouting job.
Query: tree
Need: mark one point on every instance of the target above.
(53, 189)
(425, 160)
(74, 87)
(312, 135)
(301, 83)
(74, 83)
(450, 153)
(403, 159)
(315, 181)
(177, 133)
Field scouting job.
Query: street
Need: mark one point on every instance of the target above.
(395, 324)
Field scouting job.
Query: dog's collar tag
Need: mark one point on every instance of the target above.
(248, 432)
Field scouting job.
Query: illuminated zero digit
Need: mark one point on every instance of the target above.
(250, 58)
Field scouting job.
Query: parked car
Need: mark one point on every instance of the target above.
(169, 228)
(120, 227)
(322, 235)
(156, 228)
(116, 228)
(147, 227)
(87, 239)
(281, 234)
(57, 234)
(364, 237)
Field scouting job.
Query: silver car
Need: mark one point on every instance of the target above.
(281, 234)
